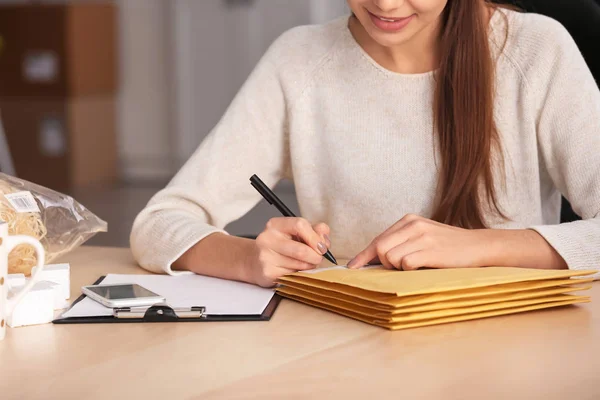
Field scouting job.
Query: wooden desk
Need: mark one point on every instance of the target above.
(301, 353)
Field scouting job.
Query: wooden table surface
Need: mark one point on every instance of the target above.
(302, 352)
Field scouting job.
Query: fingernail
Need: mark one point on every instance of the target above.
(352, 263)
(327, 240)
(322, 248)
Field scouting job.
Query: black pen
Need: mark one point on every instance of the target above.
(274, 200)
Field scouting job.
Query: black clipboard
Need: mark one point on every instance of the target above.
(163, 313)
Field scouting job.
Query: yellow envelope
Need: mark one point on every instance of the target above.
(387, 301)
(415, 316)
(525, 289)
(442, 320)
(373, 309)
(406, 283)
(487, 314)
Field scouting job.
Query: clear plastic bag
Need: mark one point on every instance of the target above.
(59, 222)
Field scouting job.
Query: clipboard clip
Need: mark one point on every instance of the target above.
(159, 313)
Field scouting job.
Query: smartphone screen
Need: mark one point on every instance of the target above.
(120, 292)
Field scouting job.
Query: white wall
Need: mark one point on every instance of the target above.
(144, 114)
(217, 48)
(182, 61)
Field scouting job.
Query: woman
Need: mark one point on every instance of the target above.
(418, 133)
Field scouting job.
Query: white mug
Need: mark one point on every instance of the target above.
(7, 243)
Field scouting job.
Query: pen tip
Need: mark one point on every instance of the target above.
(330, 257)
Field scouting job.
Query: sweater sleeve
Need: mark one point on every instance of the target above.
(568, 128)
(213, 188)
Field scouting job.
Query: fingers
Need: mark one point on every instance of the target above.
(389, 242)
(301, 228)
(279, 237)
(379, 249)
(406, 256)
(270, 274)
(291, 264)
(288, 245)
(363, 257)
(296, 250)
(410, 226)
(323, 230)
(275, 265)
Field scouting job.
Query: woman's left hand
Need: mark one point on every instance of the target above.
(415, 242)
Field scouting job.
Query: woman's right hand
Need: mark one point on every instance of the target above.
(285, 246)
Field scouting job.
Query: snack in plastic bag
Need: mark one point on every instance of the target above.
(59, 222)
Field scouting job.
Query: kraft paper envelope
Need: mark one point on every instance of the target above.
(415, 316)
(387, 301)
(487, 314)
(457, 318)
(372, 309)
(406, 283)
(525, 289)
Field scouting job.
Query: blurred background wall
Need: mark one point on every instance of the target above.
(105, 100)
(195, 55)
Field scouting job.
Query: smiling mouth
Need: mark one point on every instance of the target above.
(390, 24)
(389, 19)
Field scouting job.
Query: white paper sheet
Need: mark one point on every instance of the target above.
(317, 270)
(219, 296)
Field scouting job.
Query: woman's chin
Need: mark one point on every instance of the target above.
(389, 40)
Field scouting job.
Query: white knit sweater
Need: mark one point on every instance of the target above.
(356, 139)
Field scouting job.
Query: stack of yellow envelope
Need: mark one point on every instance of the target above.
(408, 299)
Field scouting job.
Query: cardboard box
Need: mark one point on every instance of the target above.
(58, 50)
(62, 144)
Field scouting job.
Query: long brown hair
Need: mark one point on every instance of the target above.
(463, 113)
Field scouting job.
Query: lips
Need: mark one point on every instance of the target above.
(390, 19)
(390, 24)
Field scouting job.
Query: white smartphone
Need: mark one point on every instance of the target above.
(122, 295)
